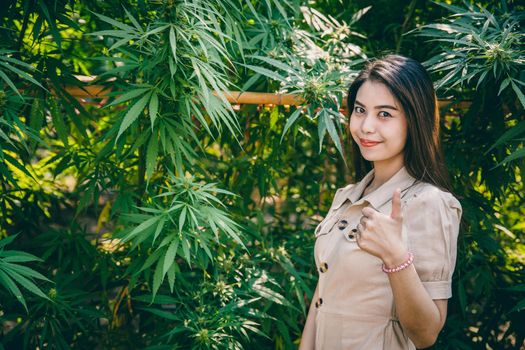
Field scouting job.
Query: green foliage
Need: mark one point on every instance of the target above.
(13, 274)
(182, 219)
(482, 60)
(167, 218)
(481, 45)
(318, 68)
(169, 238)
(482, 49)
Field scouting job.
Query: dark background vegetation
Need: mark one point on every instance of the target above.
(162, 218)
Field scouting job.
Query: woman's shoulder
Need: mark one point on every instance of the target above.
(427, 193)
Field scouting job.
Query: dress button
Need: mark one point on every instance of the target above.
(342, 224)
(323, 267)
(319, 302)
(351, 235)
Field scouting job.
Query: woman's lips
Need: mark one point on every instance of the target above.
(368, 143)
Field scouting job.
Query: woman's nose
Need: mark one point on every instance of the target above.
(367, 126)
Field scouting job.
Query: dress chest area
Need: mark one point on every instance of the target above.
(342, 265)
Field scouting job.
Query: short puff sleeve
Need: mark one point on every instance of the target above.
(431, 222)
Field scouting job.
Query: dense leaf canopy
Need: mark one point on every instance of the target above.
(158, 215)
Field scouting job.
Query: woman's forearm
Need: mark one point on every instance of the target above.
(421, 317)
(308, 336)
(381, 235)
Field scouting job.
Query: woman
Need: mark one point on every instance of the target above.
(387, 248)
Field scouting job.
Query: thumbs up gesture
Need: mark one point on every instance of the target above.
(380, 234)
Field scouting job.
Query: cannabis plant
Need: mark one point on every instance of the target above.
(483, 50)
(480, 58)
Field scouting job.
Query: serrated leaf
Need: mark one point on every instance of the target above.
(22, 74)
(159, 228)
(249, 83)
(154, 257)
(282, 11)
(12, 287)
(151, 156)
(24, 271)
(159, 299)
(519, 306)
(52, 23)
(12, 256)
(513, 156)
(503, 85)
(162, 313)
(114, 23)
(186, 250)
(173, 43)
(270, 294)
(518, 92)
(156, 30)
(14, 162)
(128, 96)
(143, 226)
(321, 128)
(263, 71)
(133, 20)
(9, 82)
(6, 241)
(169, 258)
(171, 276)
(132, 114)
(290, 121)
(332, 131)
(510, 134)
(158, 277)
(274, 116)
(182, 218)
(206, 248)
(36, 118)
(275, 63)
(26, 283)
(153, 108)
(58, 122)
(360, 13)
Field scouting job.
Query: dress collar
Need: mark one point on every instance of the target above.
(402, 179)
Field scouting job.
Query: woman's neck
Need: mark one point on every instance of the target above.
(383, 171)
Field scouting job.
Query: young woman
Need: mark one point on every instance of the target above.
(386, 250)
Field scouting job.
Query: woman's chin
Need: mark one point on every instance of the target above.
(369, 156)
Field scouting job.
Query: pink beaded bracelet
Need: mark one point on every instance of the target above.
(403, 266)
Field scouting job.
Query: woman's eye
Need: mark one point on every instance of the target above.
(385, 114)
(359, 109)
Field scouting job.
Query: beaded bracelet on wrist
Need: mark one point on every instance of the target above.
(407, 263)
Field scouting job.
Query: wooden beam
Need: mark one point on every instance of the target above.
(262, 98)
(234, 97)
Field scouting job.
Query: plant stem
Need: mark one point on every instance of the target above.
(141, 174)
(408, 16)
(28, 7)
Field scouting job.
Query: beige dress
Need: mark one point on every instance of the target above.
(355, 309)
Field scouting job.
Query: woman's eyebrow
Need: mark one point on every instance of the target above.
(385, 106)
(377, 107)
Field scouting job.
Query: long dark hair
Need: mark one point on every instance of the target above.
(411, 85)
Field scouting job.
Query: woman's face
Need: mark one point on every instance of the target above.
(378, 124)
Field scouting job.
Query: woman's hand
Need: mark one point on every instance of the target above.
(380, 234)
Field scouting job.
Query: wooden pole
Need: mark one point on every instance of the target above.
(234, 97)
(262, 98)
